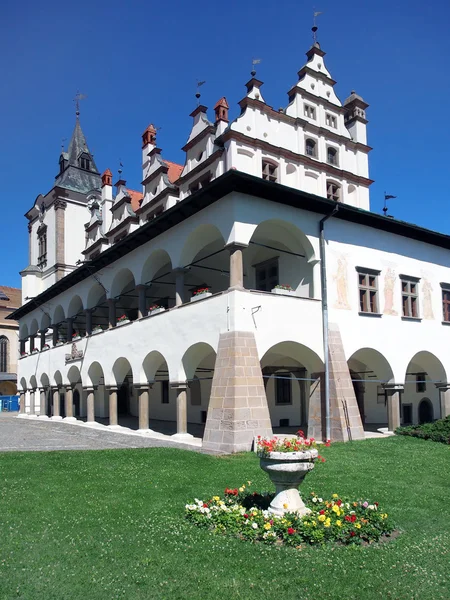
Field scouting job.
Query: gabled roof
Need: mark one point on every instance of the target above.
(175, 170)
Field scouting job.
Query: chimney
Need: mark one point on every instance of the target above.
(221, 110)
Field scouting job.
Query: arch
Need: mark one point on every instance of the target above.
(123, 281)
(45, 322)
(75, 307)
(334, 190)
(425, 411)
(95, 296)
(151, 364)
(120, 370)
(155, 263)
(45, 381)
(428, 363)
(23, 331)
(33, 382)
(193, 357)
(58, 315)
(206, 238)
(4, 354)
(23, 384)
(295, 351)
(57, 378)
(124, 288)
(95, 374)
(73, 375)
(34, 327)
(423, 372)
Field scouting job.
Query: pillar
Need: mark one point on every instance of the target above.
(69, 329)
(69, 401)
(179, 285)
(393, 405)
(444, 398)
(90, 401)
(22, 346)
(43, 403)
(55, 333)
(143, 406)
(42, 339)
(112, 312)
(88, 313)
(236, 265)
(142, 302)
(181, 387)
(22, 403)
(56, 412)
(32, 342)
(32, 401)
(113, 419)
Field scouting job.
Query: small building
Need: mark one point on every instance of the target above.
(248, 290)
(10, 300)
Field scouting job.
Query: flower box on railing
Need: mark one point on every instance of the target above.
(97, 330)
(34, 351)
(200, 294)
(45, 347)
(122, 320)
(23, 354)
(155, 309)
(76, 338)
(283, 290)
(60, 343)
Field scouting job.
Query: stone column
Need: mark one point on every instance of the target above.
(69, 403)
(444, 398)
(90, 400)
(22, 403)
(112, 312)
(32, 342)
(236, 265)
(142, 303)
(22, 346)
(32, 402)
(143, 391)
(181, 387)
(56, 412)
(179, 285)
(393, 404)
(43, 403)
(88, 313)
(69, 329)
(55, 328)
(42, 340)
(113, 418)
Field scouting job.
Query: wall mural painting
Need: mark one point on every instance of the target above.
(427, 290)
(389, 292)
(341, 284)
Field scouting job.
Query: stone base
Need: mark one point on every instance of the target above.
(56, 418)
(32, 416)
(43, 417)
(183, 437)
(22, 416)
(288, 501)
(238, 408)
(69, 420)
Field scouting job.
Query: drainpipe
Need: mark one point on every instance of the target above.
(323, 281)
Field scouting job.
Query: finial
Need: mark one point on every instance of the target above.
(62, 144)
(386, 198)
(119, 170)
(197, 95)
(255, 61)
(314, 28)
(78, 97)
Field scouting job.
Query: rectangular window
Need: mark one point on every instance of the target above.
(42, 246)
(269, 171)
(421, 382)
(266, 275)
(445, 302)
(283, 389)
(309, 111)
(407, 414)
(368, 290)
(164, 392)
(410, 296)
(200, 183)
(331, 120)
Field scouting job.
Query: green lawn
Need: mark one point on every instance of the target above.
(110, 524)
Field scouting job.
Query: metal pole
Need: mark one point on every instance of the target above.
(323, 280)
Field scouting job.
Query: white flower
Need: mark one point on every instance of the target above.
(314, 499)
(320, 499)
(255, 525)
(372, 507)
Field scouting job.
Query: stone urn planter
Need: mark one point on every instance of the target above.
(287, 470)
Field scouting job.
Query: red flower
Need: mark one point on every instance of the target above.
(347, 518)
(291, 531)
(376, 503)
(339, 502)
(321, 512)
(352, 534)
(328, 443)
(245, 516)
(353, 518)
(205, 505)
(300, 433)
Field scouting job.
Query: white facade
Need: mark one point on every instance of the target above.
(386, 281)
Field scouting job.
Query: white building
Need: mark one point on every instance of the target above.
(276, 197)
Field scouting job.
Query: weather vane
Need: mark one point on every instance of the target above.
(62, 144)
(197, 95)
(120, 169)
(314, 27)
(255, 61)
(386, 198)
(78, 97)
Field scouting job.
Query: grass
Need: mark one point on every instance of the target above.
(110, 524)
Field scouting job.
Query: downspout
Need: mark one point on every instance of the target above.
(323, 281)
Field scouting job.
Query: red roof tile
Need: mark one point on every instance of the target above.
(136, 198)
(174, 170)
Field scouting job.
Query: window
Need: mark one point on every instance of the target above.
(269, 171)
(3, 354)
(266, 275)
(410, 296)
(446, 302)
(368, 290)
(42, 246)
(200, 183)
(421, 382)
(85, 163)
(309, 111)
(331, 120)
(311, 148)
(332, 156)
(283, 389)
(333, 191)
(164, 392)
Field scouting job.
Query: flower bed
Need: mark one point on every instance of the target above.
(438, 431)
(244, 514)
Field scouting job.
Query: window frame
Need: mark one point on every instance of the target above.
(314, 142)
(4, 354)
(411, 310)
(421, 382)
(307, 109)
(335, 161)
(283, 389)
(331, 120)
(445, 287)
(266, 165)
(365, 290)
(338, 187)
(266, 264)
(42, 246)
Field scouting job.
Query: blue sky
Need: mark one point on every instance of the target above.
(138, 62)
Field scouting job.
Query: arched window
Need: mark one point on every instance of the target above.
(4, 354)
(332, 156)
(333, 191)
(269, 171)
(311, 148)
(85, 163)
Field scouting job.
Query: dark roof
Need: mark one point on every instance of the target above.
(73, 177)
(232, 181)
